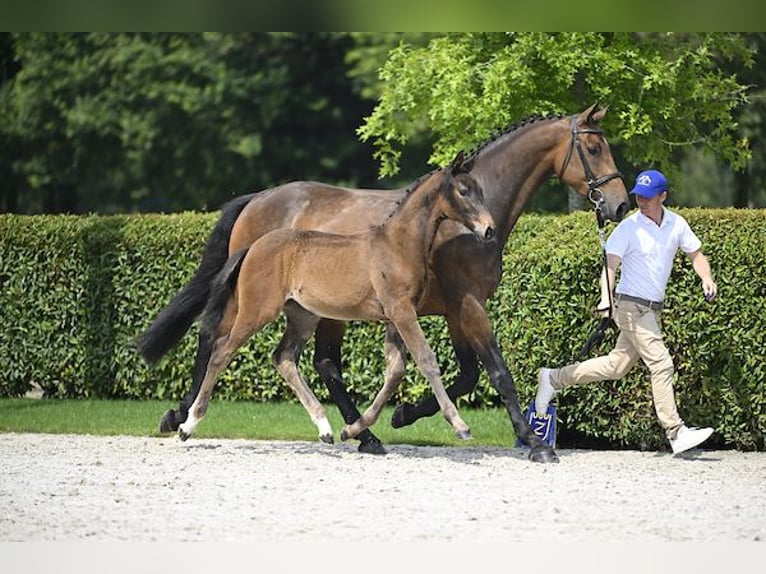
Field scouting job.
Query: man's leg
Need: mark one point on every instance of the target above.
(654, 353)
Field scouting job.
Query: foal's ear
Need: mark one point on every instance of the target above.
(460, 164)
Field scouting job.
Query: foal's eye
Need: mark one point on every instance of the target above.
(462, 190)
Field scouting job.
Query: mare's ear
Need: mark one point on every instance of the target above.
(593, 115)
(457, 164)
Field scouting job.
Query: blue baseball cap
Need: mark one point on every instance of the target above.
(650, 183)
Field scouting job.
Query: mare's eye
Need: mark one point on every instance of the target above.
(594, 150)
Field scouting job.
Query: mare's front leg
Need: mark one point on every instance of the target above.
(407, 413)
(476, 326)
(299, 328)
(327, 362)
(396, 363)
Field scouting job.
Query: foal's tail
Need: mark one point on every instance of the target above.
(221, 290)
(177, 317)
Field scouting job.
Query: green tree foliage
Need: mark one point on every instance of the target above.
(667, 91)
(179, 121)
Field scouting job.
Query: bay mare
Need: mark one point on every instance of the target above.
(377, 275)
(463, 274)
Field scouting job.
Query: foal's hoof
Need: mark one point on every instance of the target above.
(168, 423)
(543, 453)
(183, 435)
(464, 435)
(344, 435)
(372, 446)
(402, 415)
(326, 438)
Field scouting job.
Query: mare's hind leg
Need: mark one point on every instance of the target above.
(396, 362)
(300, 326)
(407, 413)
(327, 362)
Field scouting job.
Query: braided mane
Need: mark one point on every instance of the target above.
(474, 152)
(499, 133)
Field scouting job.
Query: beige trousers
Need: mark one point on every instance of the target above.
(640, 338)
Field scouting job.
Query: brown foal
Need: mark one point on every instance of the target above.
(377, 275)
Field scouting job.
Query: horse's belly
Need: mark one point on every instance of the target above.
(341, 306)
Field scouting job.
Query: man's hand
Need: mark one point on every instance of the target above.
(602, 309)
(710, 289)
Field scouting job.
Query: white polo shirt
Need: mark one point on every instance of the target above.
(647, 251)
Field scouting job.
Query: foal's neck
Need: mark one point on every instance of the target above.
(416, 220)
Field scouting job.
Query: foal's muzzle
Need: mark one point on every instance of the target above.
(489, 234)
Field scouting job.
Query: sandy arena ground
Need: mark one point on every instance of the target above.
(83, 488)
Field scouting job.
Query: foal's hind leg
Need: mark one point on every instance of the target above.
(300, 326)
(173, 418)
(236, 327)
(327, 362)
(396, 362)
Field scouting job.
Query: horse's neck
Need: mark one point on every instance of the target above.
(512, 168)
(416, 220)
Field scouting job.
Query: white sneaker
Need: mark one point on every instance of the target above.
(689, 438)
(545, 391)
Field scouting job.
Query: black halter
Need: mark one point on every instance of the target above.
(595, 195)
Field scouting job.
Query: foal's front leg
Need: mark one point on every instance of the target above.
(407, 413)
(406, 321)
(396, 362)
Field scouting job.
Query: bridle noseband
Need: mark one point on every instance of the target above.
(595, 195)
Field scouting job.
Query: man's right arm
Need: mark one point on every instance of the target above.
(607, 293)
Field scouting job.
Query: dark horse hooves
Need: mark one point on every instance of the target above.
(372, 446)
(403, 415)
(543, 453)
(169, 423)
(464, 435)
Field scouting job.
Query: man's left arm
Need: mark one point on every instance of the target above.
(702, 269)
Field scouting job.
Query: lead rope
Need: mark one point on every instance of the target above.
(598, 335)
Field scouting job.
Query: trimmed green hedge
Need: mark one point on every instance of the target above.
(76, 291)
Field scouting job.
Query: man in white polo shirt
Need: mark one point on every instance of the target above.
(644, 245)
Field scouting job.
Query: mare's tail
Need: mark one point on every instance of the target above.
(177, 317)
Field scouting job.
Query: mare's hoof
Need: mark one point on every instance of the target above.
(327, 438)
(402, 415)
(372, 446)
(543, 453)
(464, 435)
(183, 435)
(168, 423)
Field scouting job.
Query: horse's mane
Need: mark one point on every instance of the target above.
(473, 153)
(502, 132)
